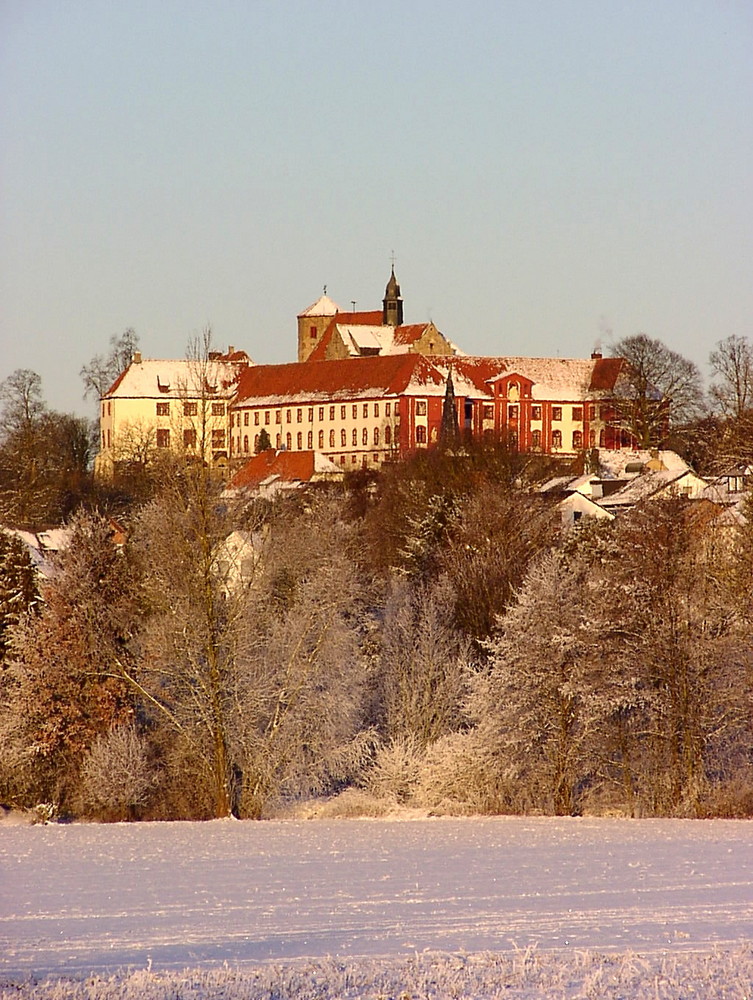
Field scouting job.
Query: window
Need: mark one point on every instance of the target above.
(512, 412)
(342, 413)
(289, 417)
(256, 418)
(602, 438)
(288, 441)
(278, 416)
(388, 434)
(331, 413)
(103, 437)
(245, 442)
(376, 409)
(266, 416)
(535, 413)
(321, 413)
(365, 409)
(355, 437)
(604, 412)
(218, 438)
(163, 409)
(310, 440)
(321, 440)
(342, 459)
(343, 438)
(577, 439)
(245, 419)
(536, 439)
(299, 415)
(421, 435)
(278, 441)
(577, 413)
(189, 437)
(256, 443)
(299, 441)
(556, 439)
(190, 409)
(387, 408)
(311, 414)
(397, 407)
(488, 412)
(513, 439)
(312, 332)
(420, 407)
(556, 413)
(365, 436)
(592, 413)
(218, 409)
(163, 438)
(355, 412)
(332, 439)
(376, 435)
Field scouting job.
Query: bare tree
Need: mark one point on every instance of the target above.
(732, 366)
(659, 388)
(103, 369)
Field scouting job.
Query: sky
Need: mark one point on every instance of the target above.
(550, 175)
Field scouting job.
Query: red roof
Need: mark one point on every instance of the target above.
(290, 466)
(410, 333)
(605, 373)
(347, 378)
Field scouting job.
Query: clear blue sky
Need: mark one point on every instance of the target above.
(548, 172)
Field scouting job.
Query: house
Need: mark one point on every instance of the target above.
(176, 406)
(274, 471)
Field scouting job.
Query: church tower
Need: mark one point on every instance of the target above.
(392, 303)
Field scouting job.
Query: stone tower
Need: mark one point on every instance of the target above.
(392, 303)
(312, 323)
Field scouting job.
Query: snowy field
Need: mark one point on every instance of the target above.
(510, 907)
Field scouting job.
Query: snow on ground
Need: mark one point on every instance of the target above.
(376, 895)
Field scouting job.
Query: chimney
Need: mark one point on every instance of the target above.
(596, 355)
(231, 349)
(137, 357)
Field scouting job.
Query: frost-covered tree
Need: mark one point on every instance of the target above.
(424, 662)
(60, 689)
(99, 374)
(534, 709)
(18, 586)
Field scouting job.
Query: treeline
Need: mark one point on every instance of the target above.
(425, 637)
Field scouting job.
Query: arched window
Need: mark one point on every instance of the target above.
(299, 442)
(332, 439)
(577, 439)
(387, 434)
(278, 441)
(256, 442)
(321, 440)
(310, 440)
(592, 439)
(343, 437)
(355, 437)
(245, 442)
(365, 436)
(288, 441)
(376, 435)
(602, 438)
(556, 439)
(421, 435)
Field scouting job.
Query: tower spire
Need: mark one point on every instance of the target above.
(392, 303)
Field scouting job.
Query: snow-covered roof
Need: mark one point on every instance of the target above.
(324, 306)
(168, 379)
(613, 464)
(653, 482)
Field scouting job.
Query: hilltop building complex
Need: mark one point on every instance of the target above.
(366, 388)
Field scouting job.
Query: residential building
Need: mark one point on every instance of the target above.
(172, 406)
